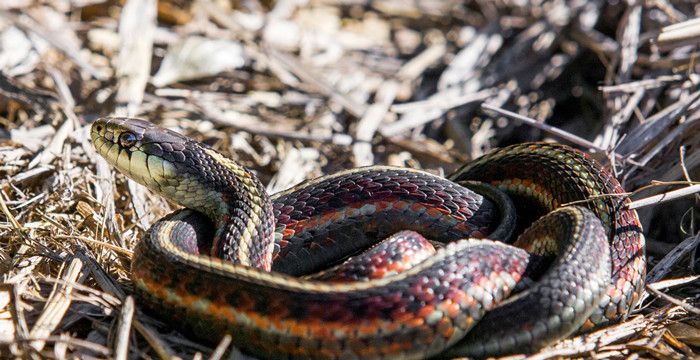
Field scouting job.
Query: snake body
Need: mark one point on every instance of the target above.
(209, 270)
(540, 178)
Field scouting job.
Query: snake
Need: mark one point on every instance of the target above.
(237, 261)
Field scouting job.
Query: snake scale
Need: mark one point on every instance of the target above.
(238, 261)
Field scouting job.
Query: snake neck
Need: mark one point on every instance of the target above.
(233, 199)
(242, 212)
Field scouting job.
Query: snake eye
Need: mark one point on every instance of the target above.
(127, 139)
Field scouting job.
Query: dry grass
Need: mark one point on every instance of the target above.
(295, 90)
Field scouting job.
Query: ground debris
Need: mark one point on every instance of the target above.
(297, 89)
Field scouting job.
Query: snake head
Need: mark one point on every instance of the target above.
(177, 167)
(146, 153)
(157, 158)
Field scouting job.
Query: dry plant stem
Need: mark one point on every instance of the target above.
(662, 198)
(297, 166)
(422, 150)
(64, 92)
(54, 147)
(674, 14)
(415, 67)
(594, 40)
(687, 307)
(137, 196)
(546, 128)
(28, 24)
(582, 345)
(220, 16)
(681, 34)
(646, 84)
(220, 118)
(664, 266)
(681, 155)
(96, 297)
(99, 349)
(385, 95)
(642, 135)
(26, 265)
(164, 351)
(11, 218)
(137, 25)
(598, 342)
(625, 113)
(7, 320)
(220, 350)
(432, 109)
(444, 103)
(20, 322)
(56, 305)
(368, 125)
(104, 193)
(666, 140)
(307, 75)
(39, 101)
(689, 161)
(669, 283)
(673, 341)
(121, 340)
(108, 285)
(70, 122)
(631, 20)
(29, 175)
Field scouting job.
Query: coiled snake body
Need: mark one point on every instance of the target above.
(209, 271)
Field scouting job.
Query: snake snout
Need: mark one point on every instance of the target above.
(135, 148)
